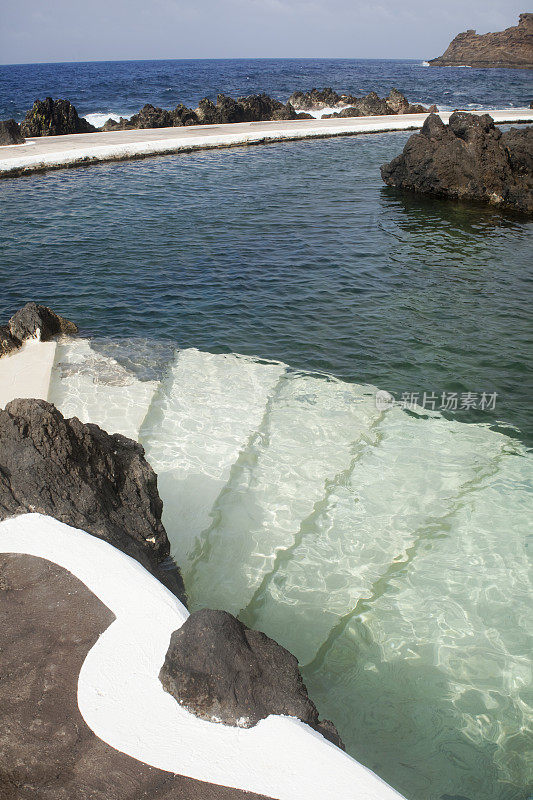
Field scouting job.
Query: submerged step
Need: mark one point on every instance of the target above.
(309, 435)
(203, 415)
(95, 388)
(409, 476)
(443, 647)
(26, 372)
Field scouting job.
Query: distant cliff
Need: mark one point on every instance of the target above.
(511, 48)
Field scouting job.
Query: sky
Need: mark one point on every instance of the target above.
(95, 30)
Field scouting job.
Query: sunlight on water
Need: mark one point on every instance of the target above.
(386, 549)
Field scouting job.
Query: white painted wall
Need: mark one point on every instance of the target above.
(123, 702)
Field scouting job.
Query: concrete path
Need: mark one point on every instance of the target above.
(55, 152)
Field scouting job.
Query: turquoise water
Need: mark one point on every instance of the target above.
(386, 547)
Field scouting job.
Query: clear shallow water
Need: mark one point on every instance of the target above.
(122, 87)
(388, 550)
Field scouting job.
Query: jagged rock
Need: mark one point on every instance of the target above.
(256, 108)
(398, 102)
(8, 342)
(53, 118)
(315, 99)
(222, 671)
(469, 159)
(182, 116)
(262, 108)
(511, 48)
(351, 111)
(151, 117)
(10, 132)
(304, 115)
(81, 475)
(34, 320)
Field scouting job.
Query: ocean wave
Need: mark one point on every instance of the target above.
(98, 118)
(424, 64)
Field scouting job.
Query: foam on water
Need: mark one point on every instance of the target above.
(99, 118)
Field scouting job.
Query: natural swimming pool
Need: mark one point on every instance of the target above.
(399, 538)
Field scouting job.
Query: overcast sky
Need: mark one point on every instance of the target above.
(92, 30)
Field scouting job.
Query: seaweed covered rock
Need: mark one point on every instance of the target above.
(53, 118)
(223, 671)
(470, 159)
(10, 132)
(83, 476)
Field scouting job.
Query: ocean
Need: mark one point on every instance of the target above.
(121, 88)
(244, 308)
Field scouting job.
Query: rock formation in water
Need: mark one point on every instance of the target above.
(10, 132)
(223, 671)
(511, 48)
(470, 159)
(83, 476)
(53, 118)
(349, 106)
(31, 322)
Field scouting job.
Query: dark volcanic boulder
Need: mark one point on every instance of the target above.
(223, 671)
(151, 117)
(53, 118)
(84, 477)
(262, 108)
(123, 124)
(32, 321)
(398, 102)
(10, 132)
(469, 159)
(182, 116)
(316, 99)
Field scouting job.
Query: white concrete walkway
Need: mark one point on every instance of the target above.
(54, 152)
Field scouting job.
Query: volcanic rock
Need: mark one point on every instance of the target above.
(33, 321)
(315, 99)
(53, 118)
(10, 132)
(151, 117)
(222, 671)
(83, 476)
(36, 321)
(182, 116)
(511, 48)
(470, 159)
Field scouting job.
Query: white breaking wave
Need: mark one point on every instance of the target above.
(424, 64)
(99, 118)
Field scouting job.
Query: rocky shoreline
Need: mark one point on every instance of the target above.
(508, 49)
(468, 159)
(88, 479)
(50, 117)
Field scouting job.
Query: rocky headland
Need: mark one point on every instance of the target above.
(511, 48)
(50, 117)
(469, 159)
